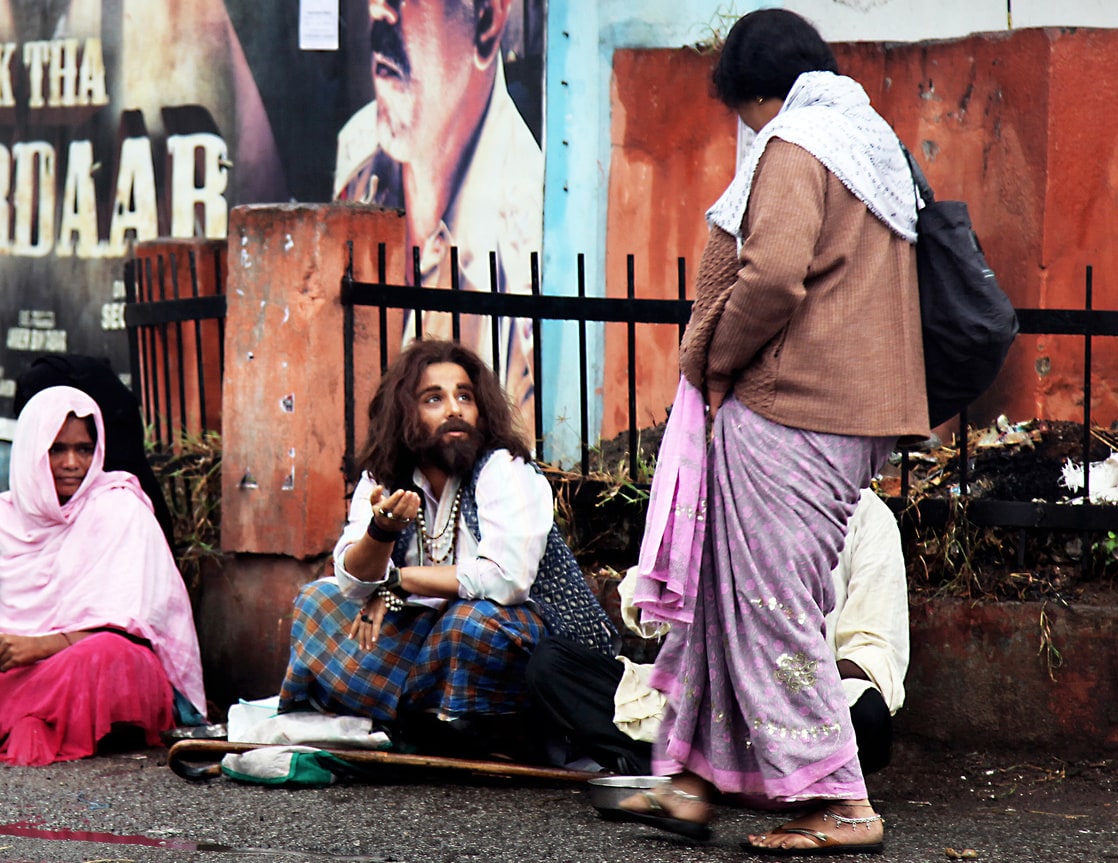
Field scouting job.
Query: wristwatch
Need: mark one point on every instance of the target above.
(393, 582)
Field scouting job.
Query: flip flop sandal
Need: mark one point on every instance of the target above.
(828, 845)
(656, 815)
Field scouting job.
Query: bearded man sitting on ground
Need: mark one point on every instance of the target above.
(448, 573)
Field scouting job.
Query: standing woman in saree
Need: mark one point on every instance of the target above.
(96, 631)
(805, 343)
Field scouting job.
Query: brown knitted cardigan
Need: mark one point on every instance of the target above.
(816, 324)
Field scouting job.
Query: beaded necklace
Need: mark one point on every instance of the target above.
(429, 542)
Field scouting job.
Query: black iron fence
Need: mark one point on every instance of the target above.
(160, 313)
(1086, 323)
(535, 307)
(175, 317)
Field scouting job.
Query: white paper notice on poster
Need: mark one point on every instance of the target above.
(318, 25)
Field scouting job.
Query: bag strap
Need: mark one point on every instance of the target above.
(919, 181)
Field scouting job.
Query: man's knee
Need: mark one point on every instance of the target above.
(873, 728)
(316, 591)
(483, 624)
(472, 618)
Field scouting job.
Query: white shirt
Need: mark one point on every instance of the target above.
(869, 624)
(515, 515)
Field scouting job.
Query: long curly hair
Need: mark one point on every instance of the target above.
(395, 430)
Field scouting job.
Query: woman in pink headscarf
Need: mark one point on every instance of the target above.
(96, 631)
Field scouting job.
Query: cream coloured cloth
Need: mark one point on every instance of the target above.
(637, 707)
(869, 623)
(631, 615)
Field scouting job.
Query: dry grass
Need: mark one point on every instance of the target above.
(190, 474)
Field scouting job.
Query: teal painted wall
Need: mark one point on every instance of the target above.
(581, 38)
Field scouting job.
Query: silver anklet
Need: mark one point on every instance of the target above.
(684, 795)
(852, 822)
(655, 797)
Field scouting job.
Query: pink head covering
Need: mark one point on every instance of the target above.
(98, 560)
(39, 424)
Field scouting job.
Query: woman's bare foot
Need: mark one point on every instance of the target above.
(850, 824)
(684, 798)
(680, 807)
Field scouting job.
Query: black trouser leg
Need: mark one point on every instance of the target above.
(572, 690)
(873, 727)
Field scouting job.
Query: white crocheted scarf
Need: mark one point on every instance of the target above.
(830, 116)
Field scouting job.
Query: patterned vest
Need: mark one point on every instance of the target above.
(560, 592)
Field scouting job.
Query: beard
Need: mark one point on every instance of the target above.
(457, 456)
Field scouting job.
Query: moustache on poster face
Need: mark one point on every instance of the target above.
(387, 43)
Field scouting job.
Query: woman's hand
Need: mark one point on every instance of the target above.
(714, 400)
(366, 626)
(17, 651)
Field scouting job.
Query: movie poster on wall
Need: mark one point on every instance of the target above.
(132, 120)
(451, 134)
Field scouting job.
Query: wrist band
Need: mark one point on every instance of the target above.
(66, 635)
(391, 590)
(378, 533)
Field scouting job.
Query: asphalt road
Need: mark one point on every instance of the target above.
(1001, 807)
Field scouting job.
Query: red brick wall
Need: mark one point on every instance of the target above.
(1017, 124)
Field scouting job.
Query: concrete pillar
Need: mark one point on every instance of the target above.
(283, 489)
(664, 173)
(243, 611)
(1017, 124)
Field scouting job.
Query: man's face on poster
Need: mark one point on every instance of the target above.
(423, 55)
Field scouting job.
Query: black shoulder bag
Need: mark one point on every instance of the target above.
(967, 320)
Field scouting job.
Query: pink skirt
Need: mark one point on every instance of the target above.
(57, 709)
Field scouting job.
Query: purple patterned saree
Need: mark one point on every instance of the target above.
(755, 702)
